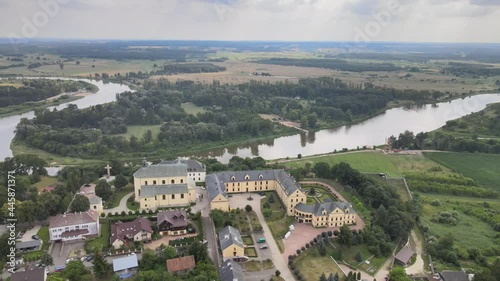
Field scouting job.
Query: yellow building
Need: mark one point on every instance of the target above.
(163, 185)
(231, 244)
(326, 214)
(219, 185)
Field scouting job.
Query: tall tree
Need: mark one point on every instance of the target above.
(76, 271)
(80, 204)
(103, 190)
(120, 181)
(46, 259)
(345, 236)
(100, 265)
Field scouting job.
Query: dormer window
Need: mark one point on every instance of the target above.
(247, 177)
(233, 178)
(261, 177)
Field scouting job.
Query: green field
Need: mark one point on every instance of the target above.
(311, 264)
(485, 168)
(479, 234)
(192, 108)
(140, 130)
(101, 242)
(45, 181)
(364, 161)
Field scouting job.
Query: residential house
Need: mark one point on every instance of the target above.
(123, 232)
(172, 222)
(28, 246)
(403, 257)
(74, 226)
(163, 185)
(231, 244)
(88, 190)
(37, 274)
(180, 265)
(326, 214)
(219, 185)
(196, 170)
(448, 275)
(125, 267)
(231, 271)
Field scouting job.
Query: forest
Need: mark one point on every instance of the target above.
(342, 65)
(40, 89)
(231, 114)
(189, 68)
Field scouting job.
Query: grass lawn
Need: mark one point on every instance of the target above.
(311, 264)
(365, 161)
(485, 168)
(277, 208)
(101, 242)
(280, 228)
(250, 252)
(133, 206)
(140, 130)
(247, 240)
(479, 233)
(114, 201)
(252, 266)
(320, 192)
(254, 221)
(43, 233)
(267, 264)
(45, 181)
(191, 108)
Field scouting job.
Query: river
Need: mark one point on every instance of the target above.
(107, 93)
(373, 131)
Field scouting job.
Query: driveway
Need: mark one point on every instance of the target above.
(202, 204)
(122, 206)
(210, 236)
(29, 233)
(240, 201)
(418, 267)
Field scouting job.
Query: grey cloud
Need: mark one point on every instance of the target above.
(485, 2)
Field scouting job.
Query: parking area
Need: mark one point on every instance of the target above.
(263, 254)
(27, 236)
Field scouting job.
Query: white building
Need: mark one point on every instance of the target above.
(196, 170)
(74, 226)
(88, 190)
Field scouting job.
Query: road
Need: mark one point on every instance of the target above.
(122, 206)
(209, 229)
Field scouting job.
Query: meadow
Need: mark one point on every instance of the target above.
(485, 168)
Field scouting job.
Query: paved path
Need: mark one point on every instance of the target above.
(240, 200)
(122, 206)
(210, 236)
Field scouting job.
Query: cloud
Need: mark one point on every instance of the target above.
(485, 2)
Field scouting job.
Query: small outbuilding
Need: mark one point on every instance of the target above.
(125, 267)
(404, 256)
(182, 264)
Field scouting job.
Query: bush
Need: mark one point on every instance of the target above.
(436, 203)
(103, 215)
(308, 245)
(330, 233)
(336, 233)
(323, 234)
(303, 248)
(123, 213)
(278, 273)
(248, 208)
(298, 251)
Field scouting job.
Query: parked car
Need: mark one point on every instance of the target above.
(68, 260)
(35, 237)
(84, 258)
(261, 240)
(262, 247)
(89, 258)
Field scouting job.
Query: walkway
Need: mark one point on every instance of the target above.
(121, 207)
(418, 267)
(240, 201)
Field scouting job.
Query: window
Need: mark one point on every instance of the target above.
(260, 176)
(173, 196)
(145, 182)
(172, 181)
(182, 196)
(232, 178)
(154, 182)
(163, 197)
(182, 181)
(163, 182)
(247, 177)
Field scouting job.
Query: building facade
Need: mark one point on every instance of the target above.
(88, 190)
(231, 243)
(326, 214)
(163, 185)
(172, 222)
(74, 226)
(219, 185)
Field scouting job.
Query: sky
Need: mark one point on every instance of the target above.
(274, 20)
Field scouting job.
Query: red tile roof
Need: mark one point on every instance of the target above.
(181, 264)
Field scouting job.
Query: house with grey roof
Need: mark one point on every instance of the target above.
(403, 257)
(326, 214)
(448, 275)
(74, 226)
(125, 267)
(195, 169)
(124, 232)
(231, 243)
(219, 185)
(164, 185)
(172, 222)
(37, 274)
(231, 271)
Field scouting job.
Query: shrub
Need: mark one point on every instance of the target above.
(315, 240)
(298, 251)
(330, 233)
(278, 273)
(117, 214)
(323, 234)
(336, 233)
(436, 203)
(248, 208)
(308, 245)
(103, 215)
(303, 248)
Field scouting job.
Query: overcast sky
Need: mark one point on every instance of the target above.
(277, 20)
